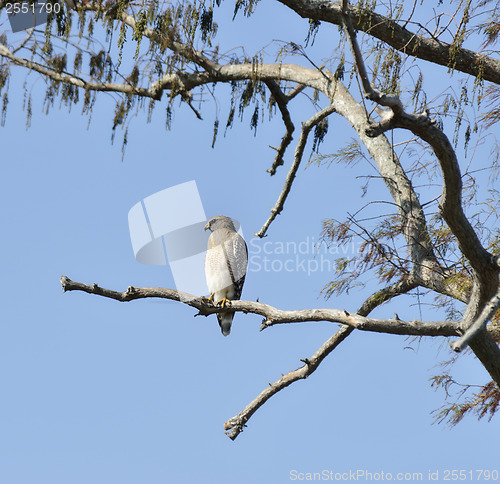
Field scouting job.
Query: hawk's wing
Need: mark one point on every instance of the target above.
(238, 262)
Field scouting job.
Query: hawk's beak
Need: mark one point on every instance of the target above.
(207, 226)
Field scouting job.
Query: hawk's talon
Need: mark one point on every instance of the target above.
(209, 299)
(223, 302)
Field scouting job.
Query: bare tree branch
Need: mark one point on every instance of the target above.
(242, 72)
(479, 324)
(484, 266)
(235, 425)
(299, 151)
(350, 321)
(295, 91)
(281, 101)
(74, 80)
(25, 41)
(401, 39)
(422, 126)
(373, 94)
(273, 315)
(451, 198)
(185, 51)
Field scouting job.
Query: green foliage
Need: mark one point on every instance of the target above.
(47, 46)
(77, 63)
(418, 92)
(349, 155)
(460, 36)
(5, 102)
(133, 78)
(492, 30)
(216, 131)
(390, 70)
(376, 252)
(138, 32)
(29, 112)
(125, 142)
(121, 43)
(207, 25)
(230, 117)
(248, 7)
(254, 121)
(89, 101)
(104, 69)
(462, 104)
(4, 76)
(58, 62)
(70, 94)
(484, 403)
(251, 94)
(168, 117)
(340, 70)
(320, 131)
(121, 111)
(314, 26)
(492, 98)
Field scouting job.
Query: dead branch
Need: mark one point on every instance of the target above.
(479, 324)
(281, 101)
(299, 151)
(235, 425)
(274, 315)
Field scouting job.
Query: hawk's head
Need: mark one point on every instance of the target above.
(220, 222)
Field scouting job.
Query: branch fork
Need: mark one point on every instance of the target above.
(484, 300)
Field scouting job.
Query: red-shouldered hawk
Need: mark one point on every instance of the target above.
(225, 266)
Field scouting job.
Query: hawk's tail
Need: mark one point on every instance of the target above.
(225, 321)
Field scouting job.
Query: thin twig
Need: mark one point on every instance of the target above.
(281, 101)
(299, 151)
(391, 101)
(25, 41)
(479, 324)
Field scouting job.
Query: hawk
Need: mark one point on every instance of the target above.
(225, 266)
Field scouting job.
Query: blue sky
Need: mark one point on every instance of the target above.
(93, 390)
